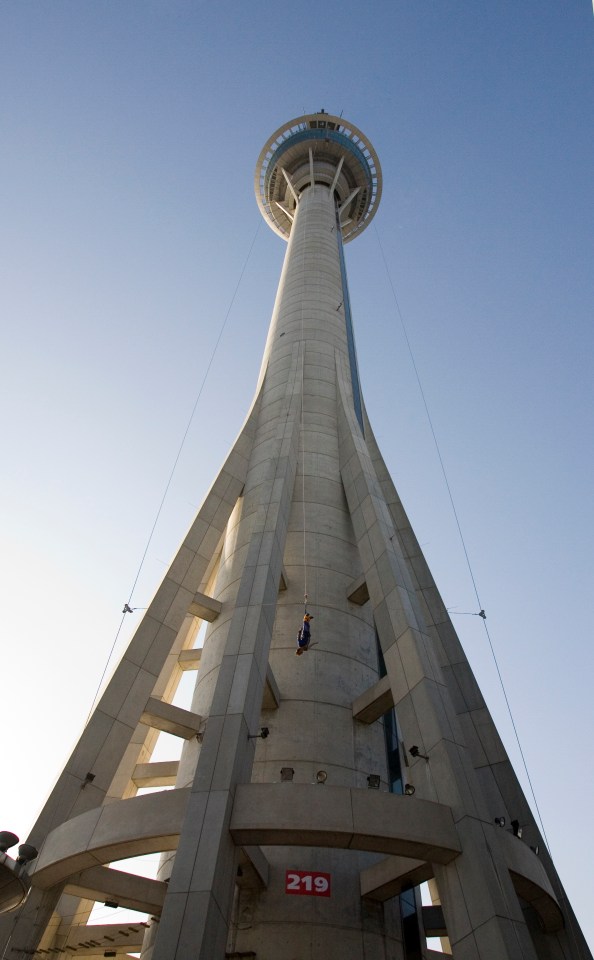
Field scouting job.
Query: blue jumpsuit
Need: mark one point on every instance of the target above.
(304, 636)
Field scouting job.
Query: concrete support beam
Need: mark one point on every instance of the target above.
(205, 607)
(290, 185)
(357, 591)
(190, 659)
(425, 711)
(433, 922)
(126, 889)
(336, 175)
(374, 702)
(170, 719)
(286, 212)
(159, 774)
(392, 875)
(199, 903)
(351, 196)
(255, 868)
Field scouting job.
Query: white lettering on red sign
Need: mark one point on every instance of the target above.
(304, 883)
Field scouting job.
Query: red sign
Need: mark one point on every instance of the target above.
(304, 883)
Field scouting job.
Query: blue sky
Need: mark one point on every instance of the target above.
(130, 132)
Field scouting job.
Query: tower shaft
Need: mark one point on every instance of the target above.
(292, 517)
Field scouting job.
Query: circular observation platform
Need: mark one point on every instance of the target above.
(318, 148)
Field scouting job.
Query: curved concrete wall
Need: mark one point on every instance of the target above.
(407, 831)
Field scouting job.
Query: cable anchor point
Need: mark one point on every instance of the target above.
(467, 613)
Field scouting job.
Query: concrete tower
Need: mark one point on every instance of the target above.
(314, 793)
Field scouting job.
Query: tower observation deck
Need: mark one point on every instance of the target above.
(312, 794)
(318, 149)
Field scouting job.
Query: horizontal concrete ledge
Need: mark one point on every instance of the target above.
(374, 702)
(161, 773)
(207, 608)
(300, 814)
(126, 889)
(391, 876)
(76, 850)
(124, 828)
(165, 716)
(290, 814)
(190, 659)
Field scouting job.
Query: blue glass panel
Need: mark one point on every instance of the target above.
(393, 752)
(349, 330)
(340, 138)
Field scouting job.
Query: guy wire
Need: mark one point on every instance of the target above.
(443, 470)
(127, 605)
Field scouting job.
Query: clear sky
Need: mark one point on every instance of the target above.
(130, 132)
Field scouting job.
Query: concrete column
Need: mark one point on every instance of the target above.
(481, 908)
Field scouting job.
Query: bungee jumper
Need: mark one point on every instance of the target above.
(304, 635)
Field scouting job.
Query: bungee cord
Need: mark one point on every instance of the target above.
(302, 429)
